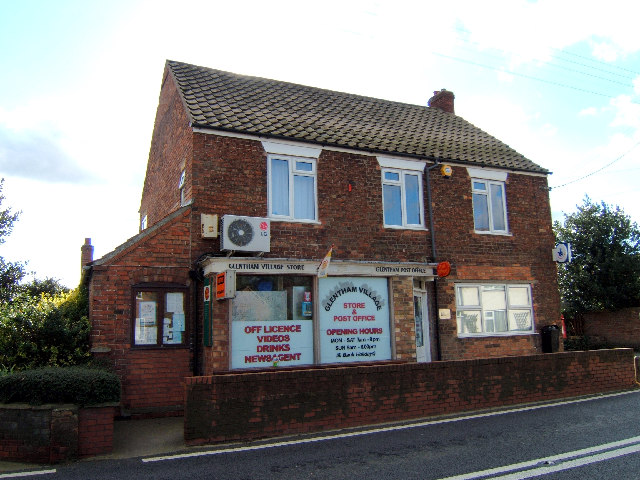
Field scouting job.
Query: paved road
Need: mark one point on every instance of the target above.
(597, 438)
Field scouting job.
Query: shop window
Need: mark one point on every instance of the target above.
(484, 310)
(160, 316)
(271, 319)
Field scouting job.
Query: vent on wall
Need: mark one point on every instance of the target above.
(246, 234)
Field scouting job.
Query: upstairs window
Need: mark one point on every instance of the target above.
(292, 188)
(181, 184)
(489, 201)
(402, 200)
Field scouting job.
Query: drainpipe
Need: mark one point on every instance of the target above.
(434, 254)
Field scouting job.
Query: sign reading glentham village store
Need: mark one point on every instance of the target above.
(354, 319)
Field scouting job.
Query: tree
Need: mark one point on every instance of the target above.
(605, 271)
(11, 273)
(41, 322)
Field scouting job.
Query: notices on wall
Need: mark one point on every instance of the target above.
(146, 330)
(354, 319)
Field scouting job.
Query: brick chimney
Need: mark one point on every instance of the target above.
(442, 100)
(86, 256)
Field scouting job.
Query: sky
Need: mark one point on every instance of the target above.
(559, 81)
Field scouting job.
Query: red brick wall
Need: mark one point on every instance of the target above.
(615, 329)
(95, 430)
(52, 434)
(523, 256)
(239, 407)
(169, 154)
(152, 379)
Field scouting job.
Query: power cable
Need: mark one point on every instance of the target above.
(597, 171)
(529, 77)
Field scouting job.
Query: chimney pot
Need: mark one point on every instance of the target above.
(86, 255)
(442, 100)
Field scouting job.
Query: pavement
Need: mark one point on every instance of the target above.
(131, 438)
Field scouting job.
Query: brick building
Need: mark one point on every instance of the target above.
(256, 179)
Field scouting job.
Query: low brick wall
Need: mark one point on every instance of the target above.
(615, 329)
(251, 405)
(54, 433)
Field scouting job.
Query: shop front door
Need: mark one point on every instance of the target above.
(423, 344)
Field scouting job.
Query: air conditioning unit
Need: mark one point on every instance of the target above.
(246, 234)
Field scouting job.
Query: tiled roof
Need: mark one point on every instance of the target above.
(252, 105)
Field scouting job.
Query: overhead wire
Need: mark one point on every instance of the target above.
(598, 170)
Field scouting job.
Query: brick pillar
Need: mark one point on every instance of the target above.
(86, 256)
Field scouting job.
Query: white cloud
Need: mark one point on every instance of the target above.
(39, 155)
(588, 112)
(627, 113)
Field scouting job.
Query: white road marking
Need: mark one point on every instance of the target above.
(556, 463)
(26, 474)
(371, 431)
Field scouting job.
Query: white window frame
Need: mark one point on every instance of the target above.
(489, 178)
(403, 168)
(293, 172)
(181, 184)
(509, 306)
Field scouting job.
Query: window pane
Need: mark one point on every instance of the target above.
(500, 319)
(146, 327)
(303, 197)
(468, 297)
(497, 207)
(304, 166)
(279, 187)
(412, 200)
(520, 320)
(469, 322)
(493, 298)
(480, 212)
(519, 297)
(173, 318)
(479, 186)
(393, 176)
(392, 204)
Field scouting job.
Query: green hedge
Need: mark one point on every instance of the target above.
(76, 385)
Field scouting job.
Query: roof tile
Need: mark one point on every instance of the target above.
(253, 105)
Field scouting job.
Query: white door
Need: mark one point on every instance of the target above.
(421, 315)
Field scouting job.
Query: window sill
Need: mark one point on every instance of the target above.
(498, 234)
(159, 347)
(294, 220)
(495, 334)
(401, 227)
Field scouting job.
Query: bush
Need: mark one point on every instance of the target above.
(44, 330)
(77, 385)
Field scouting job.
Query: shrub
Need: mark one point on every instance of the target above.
(44, 330)
(77, 385)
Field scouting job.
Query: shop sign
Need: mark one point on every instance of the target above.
(310, 267)
(260, 337)
(271, 344)
(354, 319)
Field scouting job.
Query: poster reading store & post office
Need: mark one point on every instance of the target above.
(354, 319)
